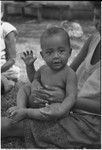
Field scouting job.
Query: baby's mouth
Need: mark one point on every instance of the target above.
(56, 63)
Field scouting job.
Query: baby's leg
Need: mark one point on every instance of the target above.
(23, 96)
(9, 129)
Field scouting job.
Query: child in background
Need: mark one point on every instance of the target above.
(56, 50)
(9, 72)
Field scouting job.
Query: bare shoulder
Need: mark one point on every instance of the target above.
(43, 67)
(69, 70)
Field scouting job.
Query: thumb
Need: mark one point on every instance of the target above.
(35, 58)
(50, 88)
(22, 58)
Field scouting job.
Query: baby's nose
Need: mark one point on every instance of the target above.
(56, 55)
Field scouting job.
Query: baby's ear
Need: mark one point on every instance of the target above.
(41, 53)
(70, 51)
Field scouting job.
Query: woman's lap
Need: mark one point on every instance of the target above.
(74, 131)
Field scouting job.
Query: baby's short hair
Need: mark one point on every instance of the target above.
(50, 31)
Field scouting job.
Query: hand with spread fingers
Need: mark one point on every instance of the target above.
(28, 58)
(52, 94)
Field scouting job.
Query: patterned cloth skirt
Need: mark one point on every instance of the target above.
(74, 131)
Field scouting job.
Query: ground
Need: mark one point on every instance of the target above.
(29, 31)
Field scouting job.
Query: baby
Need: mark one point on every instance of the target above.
(56, 50)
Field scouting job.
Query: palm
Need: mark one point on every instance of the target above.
(29, 60)
(28, 57)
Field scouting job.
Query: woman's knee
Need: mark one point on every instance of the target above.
(9, 128)
(6, 123)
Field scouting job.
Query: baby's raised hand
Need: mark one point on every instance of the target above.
(28, 58)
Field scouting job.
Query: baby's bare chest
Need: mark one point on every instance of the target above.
(56, 80)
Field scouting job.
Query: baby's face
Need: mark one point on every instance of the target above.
(56, 51)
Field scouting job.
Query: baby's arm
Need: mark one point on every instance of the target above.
(20, 112)
(71, 92)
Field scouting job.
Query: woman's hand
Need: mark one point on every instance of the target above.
(28, 58)
(52, 94)
(16, 114)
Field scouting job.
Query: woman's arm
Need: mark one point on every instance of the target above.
(88, 105)
(10, 43)
(89, 97)
(81, 56)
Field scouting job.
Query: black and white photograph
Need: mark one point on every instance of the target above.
(50, 74)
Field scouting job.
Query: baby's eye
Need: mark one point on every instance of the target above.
(61, 50)
(49, 52)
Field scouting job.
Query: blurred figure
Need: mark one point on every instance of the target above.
(9, 72)
(74, 29)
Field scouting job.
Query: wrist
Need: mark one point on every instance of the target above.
(30, 67)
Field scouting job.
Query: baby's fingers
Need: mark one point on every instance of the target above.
(22, 57)
(31, 52)
(25, 54)
(50, 88)
(12, 114)
(11, 109)
(46, 109)
(45, 113)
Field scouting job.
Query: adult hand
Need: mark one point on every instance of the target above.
(52, 94)
(28, 58)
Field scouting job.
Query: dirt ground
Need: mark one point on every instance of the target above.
(29, 31)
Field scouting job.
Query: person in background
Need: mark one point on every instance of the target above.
(9, 72)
